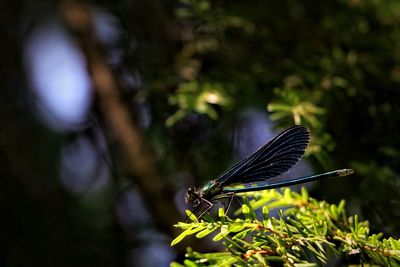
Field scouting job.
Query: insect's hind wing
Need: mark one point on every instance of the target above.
(274, 158)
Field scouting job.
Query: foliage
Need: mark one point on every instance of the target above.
(307, 233)
(194, 97)
(331, 66)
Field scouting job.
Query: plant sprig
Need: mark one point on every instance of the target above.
(307, 232)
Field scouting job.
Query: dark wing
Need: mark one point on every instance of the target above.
(274, 158)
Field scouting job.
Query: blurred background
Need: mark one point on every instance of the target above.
(111, 109)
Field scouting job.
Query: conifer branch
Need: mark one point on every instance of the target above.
(307, 232)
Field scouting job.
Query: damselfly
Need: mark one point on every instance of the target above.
(255, 172)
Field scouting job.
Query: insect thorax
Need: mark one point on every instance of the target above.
(210, 189)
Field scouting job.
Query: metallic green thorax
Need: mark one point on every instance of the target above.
(211, 188)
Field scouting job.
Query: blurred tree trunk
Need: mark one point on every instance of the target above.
(140, 160)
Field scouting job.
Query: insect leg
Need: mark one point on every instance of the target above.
(207, 208)
(230, 195)
(237, 199)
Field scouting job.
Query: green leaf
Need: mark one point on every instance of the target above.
(190, 263)
(395, 244)
(191, 216)
(224, 232)
(206, 232)
(304, 194)
(185, 233)
(265, 214)
(246, 212)
(179, 238)
(306, 265)
(175, 264)
(177, 116)
(251, 211)
(237, 227)
(227, 262)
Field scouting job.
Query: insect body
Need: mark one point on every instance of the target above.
(256, 171)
